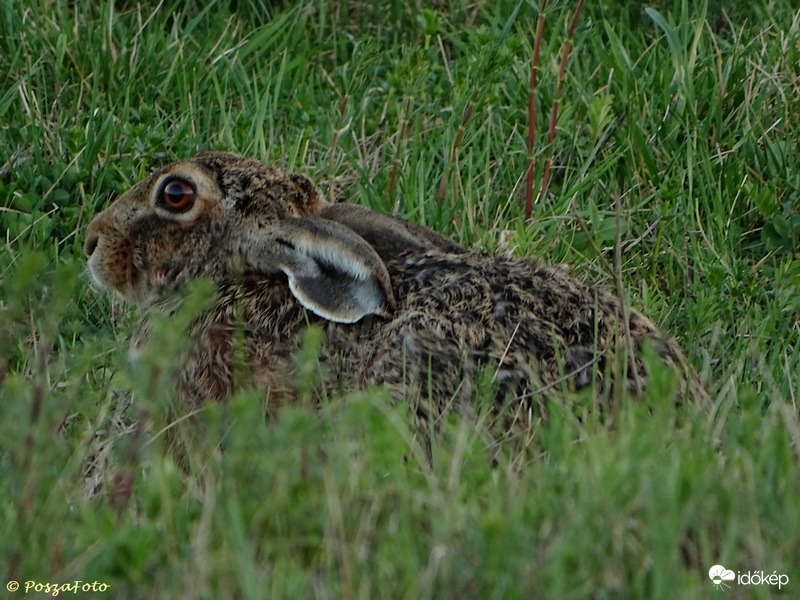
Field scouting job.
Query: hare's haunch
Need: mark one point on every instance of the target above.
(400, 305)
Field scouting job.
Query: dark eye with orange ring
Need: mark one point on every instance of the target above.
(177, 195)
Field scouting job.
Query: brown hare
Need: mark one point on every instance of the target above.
(400, 305)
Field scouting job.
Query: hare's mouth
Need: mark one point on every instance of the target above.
(109, 279)
(96, 273)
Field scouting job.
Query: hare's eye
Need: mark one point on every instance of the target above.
(177, 195)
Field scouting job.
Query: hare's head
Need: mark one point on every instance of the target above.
(218, 215)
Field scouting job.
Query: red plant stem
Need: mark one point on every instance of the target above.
(335, 142)
(562, 69)
(537, 42)
(574, 22)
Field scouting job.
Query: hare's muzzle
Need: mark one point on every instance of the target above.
(90, 243)
(90, 246)
(105, 266)
(94, 232)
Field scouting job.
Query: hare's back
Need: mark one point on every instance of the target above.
(528, 323)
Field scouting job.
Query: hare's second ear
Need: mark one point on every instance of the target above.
(387, 234)
(332, 271)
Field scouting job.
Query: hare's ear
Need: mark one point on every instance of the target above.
(388, 235)
(332, 271)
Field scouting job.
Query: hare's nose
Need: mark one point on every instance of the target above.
(92, 238)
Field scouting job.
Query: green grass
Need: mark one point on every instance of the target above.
(690, 130)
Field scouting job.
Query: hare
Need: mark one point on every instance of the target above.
(400, 305)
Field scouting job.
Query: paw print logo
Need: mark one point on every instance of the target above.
(719, 575)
